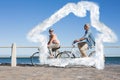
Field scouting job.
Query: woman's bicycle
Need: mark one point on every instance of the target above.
(57, 54)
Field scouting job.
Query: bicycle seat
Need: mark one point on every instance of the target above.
(54, 49)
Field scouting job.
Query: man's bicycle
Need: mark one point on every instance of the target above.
(57, 54)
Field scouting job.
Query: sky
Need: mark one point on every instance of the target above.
(18, 17)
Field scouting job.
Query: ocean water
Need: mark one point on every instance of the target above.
(108, 60)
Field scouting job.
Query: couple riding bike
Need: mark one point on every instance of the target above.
(84, 43)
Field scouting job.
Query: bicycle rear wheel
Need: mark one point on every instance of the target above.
(35, 58)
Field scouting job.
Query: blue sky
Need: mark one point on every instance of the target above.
(18, 17)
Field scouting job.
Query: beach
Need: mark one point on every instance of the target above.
(27, 72)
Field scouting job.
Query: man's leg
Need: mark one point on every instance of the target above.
(83, 47)
(50, 50)
(55, 49)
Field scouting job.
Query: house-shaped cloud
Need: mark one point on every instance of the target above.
(80, 9)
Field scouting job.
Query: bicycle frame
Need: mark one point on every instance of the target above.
(73, 49)
(90, 52)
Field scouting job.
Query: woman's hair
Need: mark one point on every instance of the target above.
(87, 24)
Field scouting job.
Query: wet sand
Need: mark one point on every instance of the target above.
(111, 72)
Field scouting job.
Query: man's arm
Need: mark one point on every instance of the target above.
(87, 33)
(84, 37)
(79, 40)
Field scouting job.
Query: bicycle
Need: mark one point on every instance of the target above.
(35, 56)
(58, 54)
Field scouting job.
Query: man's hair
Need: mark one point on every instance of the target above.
(51, 30)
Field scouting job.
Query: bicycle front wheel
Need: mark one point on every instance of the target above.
(35, 58)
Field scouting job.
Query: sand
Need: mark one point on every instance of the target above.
(111, 72)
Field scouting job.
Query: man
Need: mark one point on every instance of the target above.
(53, 42)
(86, 42)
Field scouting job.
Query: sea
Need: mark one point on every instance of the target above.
(27, 60)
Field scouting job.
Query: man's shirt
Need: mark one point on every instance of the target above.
(89, 38)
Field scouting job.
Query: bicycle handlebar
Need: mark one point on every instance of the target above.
(73, 44)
